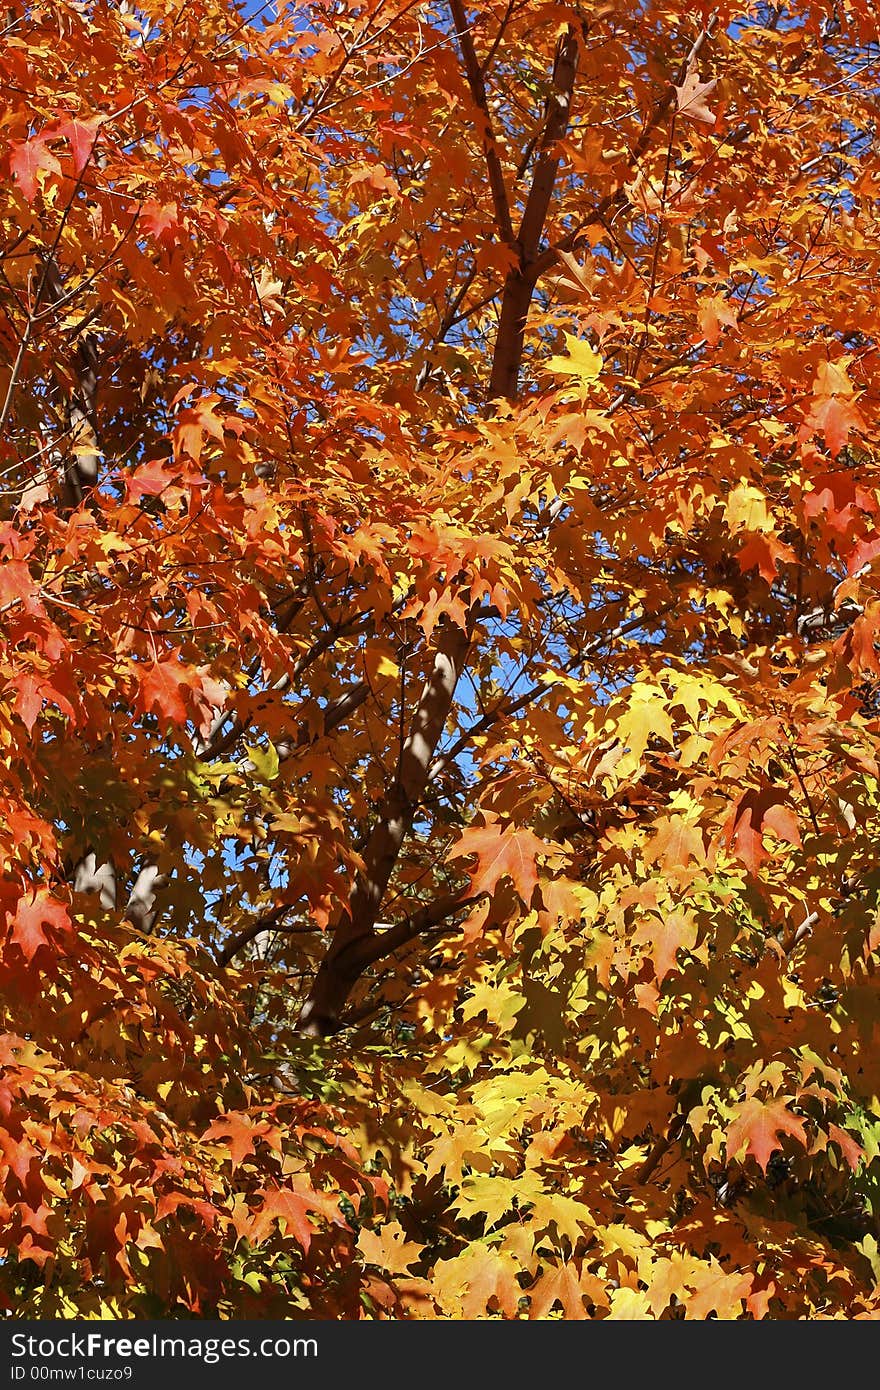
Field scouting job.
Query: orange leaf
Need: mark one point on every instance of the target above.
(852, 1152)
(665, 935)
(38, 921)
(714, 314)
(502, 851)
(674, 843)
(690, 98)
(292, 1206)
(80, 135)
(757, 1126)
(754, 810)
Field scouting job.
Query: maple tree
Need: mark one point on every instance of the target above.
(438, 677)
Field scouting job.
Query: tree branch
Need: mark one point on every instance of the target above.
(477, 87)
(617, 197)
(368, 950)
(332, 985)
(265, 922)
(520, 284)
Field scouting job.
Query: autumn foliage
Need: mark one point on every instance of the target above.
(439, 682)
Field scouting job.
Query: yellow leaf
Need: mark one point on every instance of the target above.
(630, 1305)
(746, 509)
(581, 362)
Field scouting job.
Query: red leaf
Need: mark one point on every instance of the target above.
(80, 135)
(763, 552)
(28, 700)
(26, 161)
(754, 810)
(240, 1132)
(292, 1205)
(162, 223)
(16, 583)
(852, 1152)
(34, 914)
(834, 418)
(30, 691)
(833, 412)
(161, 689)
(150, 480)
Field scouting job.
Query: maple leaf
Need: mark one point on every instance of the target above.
(28, 699)
(193, 424)
(746, 509)
(714, 314)
(389, 1249)
(161, 221)
(16, 584)
(160, 689)
(240, 1133)
(754, 811)
(715, 1291)
(852, 1151)
(18, 1154)
(150, 479)
(675, 842)
(561, 1285)
(561, 898)
(210, 697)
(664, 936)
(690, 97)
(81, 136)
(764, 553)
(629, 1305)
(477, 1279)
(502, 852)
(757, 1126)
(835, 418)
(833, 411)
(582, 362)
(646, 716)
(38, 921)
(666, 1280)
(27, 160)
(292, 1205)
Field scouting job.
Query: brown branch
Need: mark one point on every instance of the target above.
(369, 950)
(265, 922)
(555, 127)
(507, 708)
(477, 87)
(796, 937)
(617, 198)
(496, 42)
(660, 1148)
(520, 284)
(332, 985)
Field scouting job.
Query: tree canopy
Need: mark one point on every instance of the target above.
(439, 691)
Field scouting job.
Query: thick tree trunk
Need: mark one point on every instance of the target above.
(515, 303)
